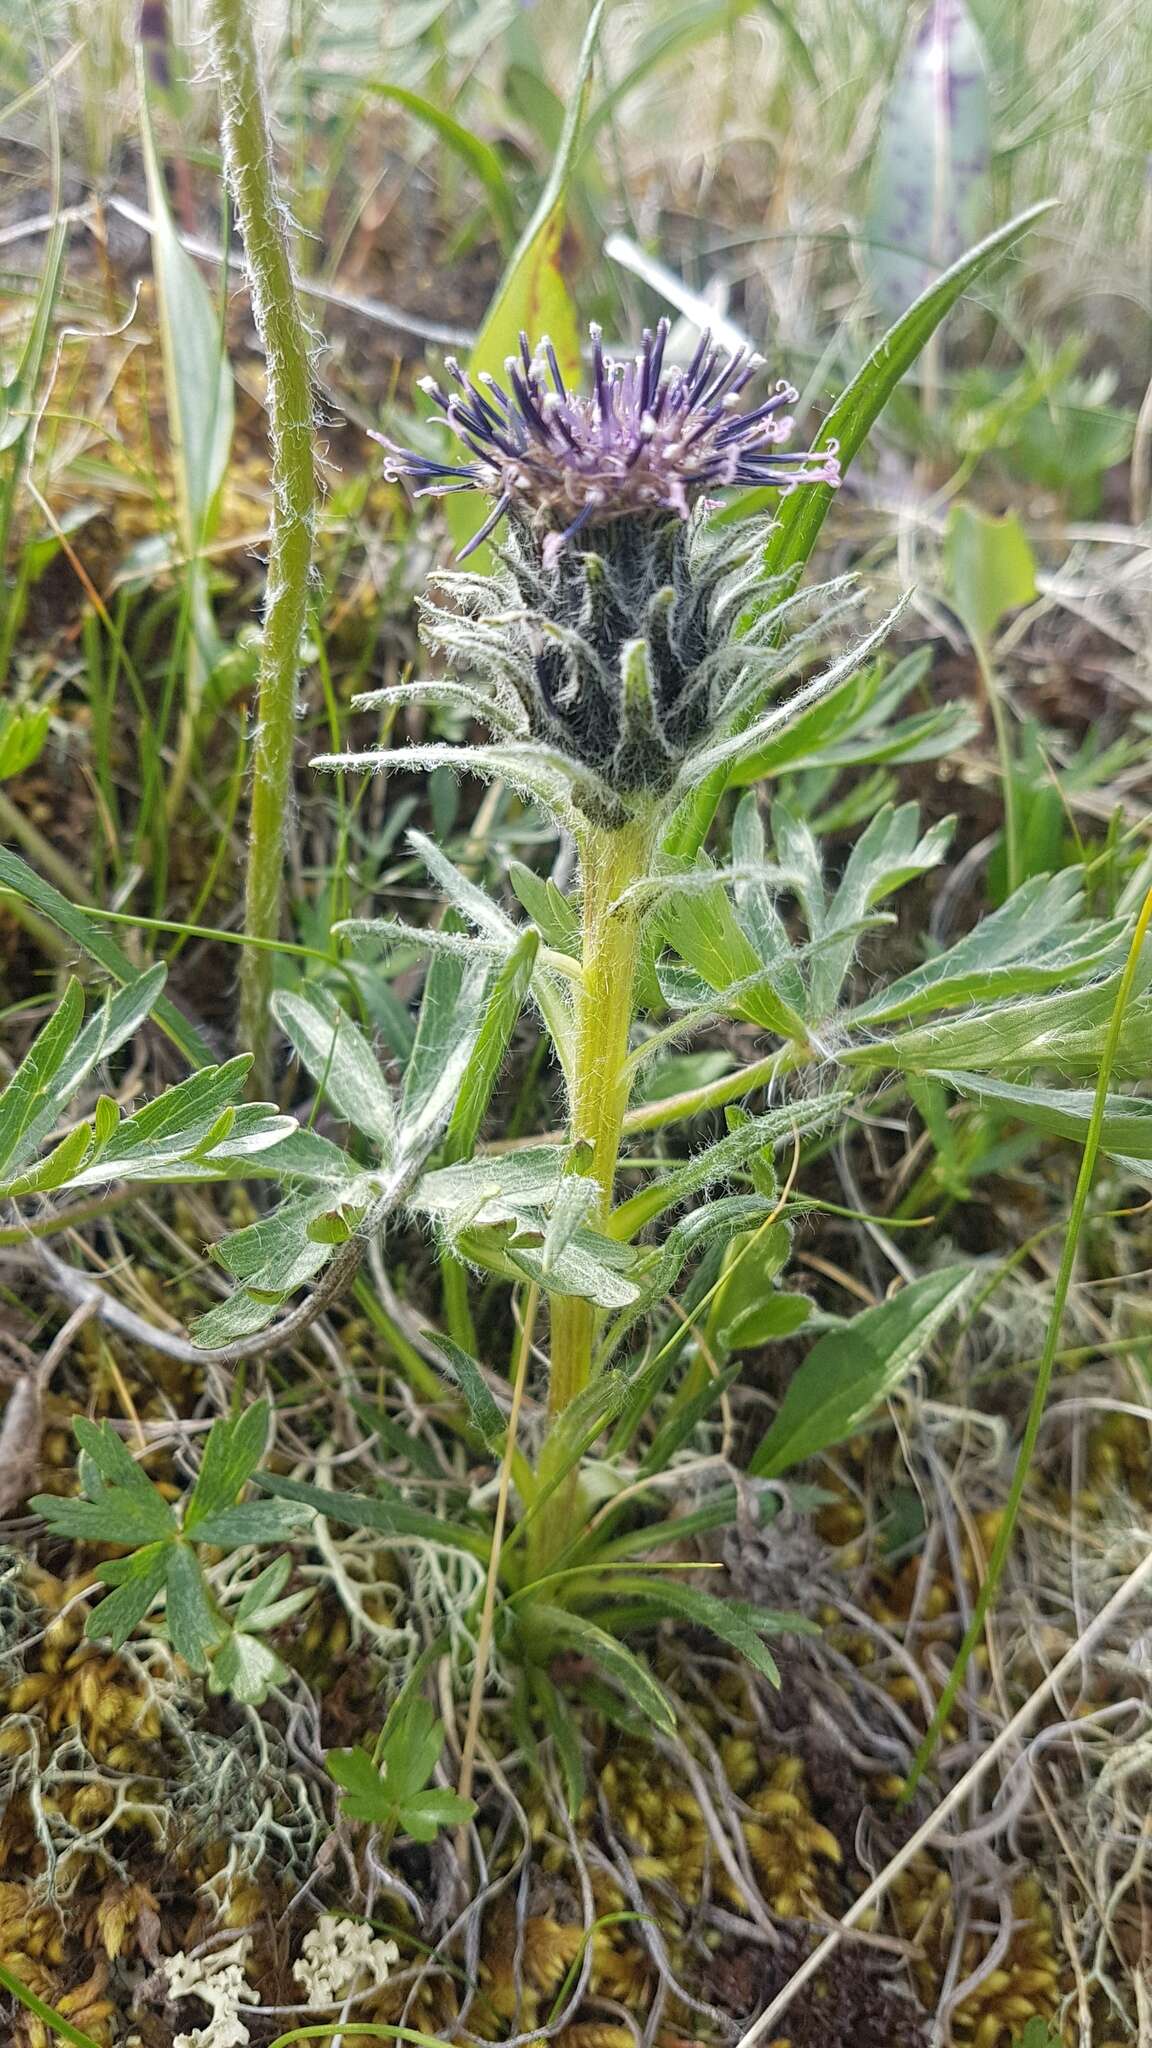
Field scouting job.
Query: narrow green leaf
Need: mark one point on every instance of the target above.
(197, 374)
(733, 1621)
(82, 928)
(391, 1515)
(802, 515)
(253, 1521)
(31, 1084)
(479, 155)
(483, 1413)
(553, 1631)
(506, 998)
(452, 1015)
(556, 919)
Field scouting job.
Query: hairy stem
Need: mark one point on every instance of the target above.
(605, 1000)
(247, 149)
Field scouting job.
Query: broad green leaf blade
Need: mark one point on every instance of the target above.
(849, 1372)
(247, 1668)
(115, 1517)
(932, 161)
(339, 1057)
(366, 1795)
(423, 1816)
(115, 1617)
(112, 1458)
(989, 569)
(702, 928)
(81, 927)
(533, 295)
(860, 404)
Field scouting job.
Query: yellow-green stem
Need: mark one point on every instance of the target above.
(610, 862)
(247, 149)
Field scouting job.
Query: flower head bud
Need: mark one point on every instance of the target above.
(607, 633)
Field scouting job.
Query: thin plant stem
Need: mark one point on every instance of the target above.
(995, 704)
(247, 148)
(1004, 1533)
(488, 1610)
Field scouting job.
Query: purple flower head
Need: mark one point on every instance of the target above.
(645, 440)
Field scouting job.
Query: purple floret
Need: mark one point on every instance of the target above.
(643, 440)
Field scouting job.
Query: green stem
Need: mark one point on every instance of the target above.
(605, 1000)
(247, 149)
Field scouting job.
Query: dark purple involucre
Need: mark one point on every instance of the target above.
(644, 440)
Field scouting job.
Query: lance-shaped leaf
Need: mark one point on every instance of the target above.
(1064, 1030)
(889, 853)
(932, 162)
(1125, 1133)
(452, 1015)
(106, 1030)
(727, 753)
(483, 1413)
(729, 1155)
(507, 993)
(849, 1371)
(31, 1086)
(704, 930)
(1038, 940)
(339, 1057)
